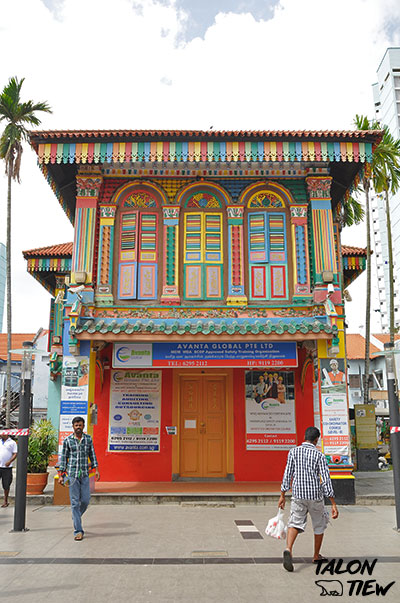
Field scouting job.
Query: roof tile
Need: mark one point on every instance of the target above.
(17, 339)
(62, 249)
(331, 134)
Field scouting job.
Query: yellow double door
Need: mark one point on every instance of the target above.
(202, 440)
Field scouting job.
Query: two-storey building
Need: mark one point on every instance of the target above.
(197, 323)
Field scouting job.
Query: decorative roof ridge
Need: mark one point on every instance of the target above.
(35, 135)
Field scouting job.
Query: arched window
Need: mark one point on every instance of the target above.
(203, 245)
(267, 247)
(138, 246)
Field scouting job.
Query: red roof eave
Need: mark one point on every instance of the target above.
(372, 135)
(62, 249)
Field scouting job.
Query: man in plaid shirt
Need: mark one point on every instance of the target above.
(307, 474)
(77, 450)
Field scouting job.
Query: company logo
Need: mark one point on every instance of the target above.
(329, 401)
(118, 377)
(122, 354)
(117, 417)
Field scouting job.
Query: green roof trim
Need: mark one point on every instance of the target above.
(205, 327)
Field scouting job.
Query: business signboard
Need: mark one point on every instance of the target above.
(203, 354)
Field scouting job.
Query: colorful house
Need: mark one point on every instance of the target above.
(199, 327)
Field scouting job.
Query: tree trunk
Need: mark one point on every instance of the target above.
(8, 279)
(390, 258)
(368, 300)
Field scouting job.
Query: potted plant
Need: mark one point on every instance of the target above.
(42, 444)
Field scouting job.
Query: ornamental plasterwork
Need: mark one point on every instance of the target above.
(192, 313)
(235, 212)
(319, 188)
(203, 201)
(88, 186)
(107, 211)
(265, 199)
(140, 199)
(299, 211)
(171, 213)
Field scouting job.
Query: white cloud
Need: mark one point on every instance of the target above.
(104, 65)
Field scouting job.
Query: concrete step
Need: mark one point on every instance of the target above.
(195, 499)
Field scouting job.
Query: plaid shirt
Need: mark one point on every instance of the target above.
(75, 455)
(307, 473)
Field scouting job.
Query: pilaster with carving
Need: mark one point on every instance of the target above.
(236, 294)
(88, 183)
(103, 294)
(170, 290)
(322, 227)
(300, 253)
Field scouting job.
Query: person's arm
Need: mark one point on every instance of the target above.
(93, 459)
(326, 483)
(287, 480)
(63, 463)
(14, 456)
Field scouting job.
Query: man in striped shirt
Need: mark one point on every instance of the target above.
(77, 450)
(307, 474)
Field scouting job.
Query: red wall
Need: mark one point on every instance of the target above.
(249, 465)
(133, 466)
(264, 465)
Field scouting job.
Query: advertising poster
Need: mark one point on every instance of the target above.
(270, 410)
(335, 426)
(135, 411)
(333, 378)
(74, 393)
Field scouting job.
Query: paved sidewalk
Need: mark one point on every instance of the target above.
(373, 487)
(168, 553)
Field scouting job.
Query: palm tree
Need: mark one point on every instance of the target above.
(362, 123)
(386, 179)
(17, 116)
(385, 174)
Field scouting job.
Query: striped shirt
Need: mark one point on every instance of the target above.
(75, 455)
(307, 473)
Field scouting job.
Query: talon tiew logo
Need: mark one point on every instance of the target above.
(355, 587)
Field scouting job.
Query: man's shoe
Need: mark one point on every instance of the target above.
(287, 561)
(78, 536)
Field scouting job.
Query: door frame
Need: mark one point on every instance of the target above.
(176, 403)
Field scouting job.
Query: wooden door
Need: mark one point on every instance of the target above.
(202, 426)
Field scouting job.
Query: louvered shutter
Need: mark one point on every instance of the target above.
(127, 273)
(147, 256)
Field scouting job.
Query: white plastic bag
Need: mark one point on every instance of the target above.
(276, 527)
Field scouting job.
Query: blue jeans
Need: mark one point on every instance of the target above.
(79, 494)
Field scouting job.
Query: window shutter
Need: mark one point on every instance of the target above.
(128, 255)
(203, 256)
(148, 248)
(278, 286)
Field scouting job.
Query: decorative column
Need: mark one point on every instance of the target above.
(301, 259)
(170, 291)
(103, 294)
(88, 187)
(325, 261)
(236, 294)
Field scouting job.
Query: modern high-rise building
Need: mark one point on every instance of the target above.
(2, 282)
(386, 93)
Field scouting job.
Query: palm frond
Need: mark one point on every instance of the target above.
(16, 115)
